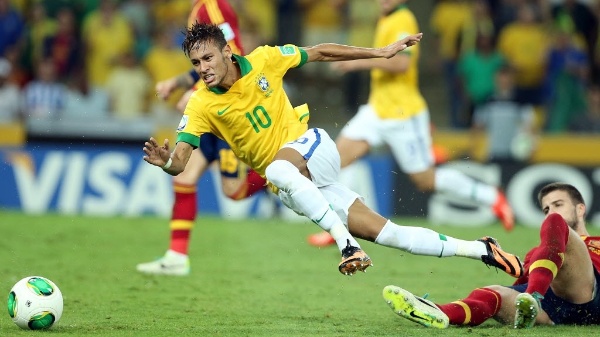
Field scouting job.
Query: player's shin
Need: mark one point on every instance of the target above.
(416, 240)
(308, 200)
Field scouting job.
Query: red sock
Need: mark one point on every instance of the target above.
(548, 257)
(183, 217)
(253, 183)
(480, 305)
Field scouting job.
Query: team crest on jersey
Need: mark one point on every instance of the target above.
(263, 84)
(183, 122)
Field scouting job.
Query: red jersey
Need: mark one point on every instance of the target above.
(222, 14)
(592, 243)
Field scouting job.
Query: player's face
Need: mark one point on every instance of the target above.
(560, 202)
(210, 63)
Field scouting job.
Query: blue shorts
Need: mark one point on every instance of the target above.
(213, 148)
(563, 312)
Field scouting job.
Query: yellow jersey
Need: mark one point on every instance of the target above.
(525, 46)
(255, 116)
(397, 95)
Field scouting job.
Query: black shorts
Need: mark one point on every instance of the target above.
(213, 148)
(563, 312)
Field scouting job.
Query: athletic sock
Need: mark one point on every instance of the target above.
(547, 258)
(308, 200)
(183, 217)
(424, 241)
(253, 183)
(454, 182)
(416, 240)
(480, 305)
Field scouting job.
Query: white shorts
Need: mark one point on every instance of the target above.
(409, 139)
(323, 161)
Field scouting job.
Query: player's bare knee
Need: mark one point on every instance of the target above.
(233, 192)
(184, 178)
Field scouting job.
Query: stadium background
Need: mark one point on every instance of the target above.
(82, 166)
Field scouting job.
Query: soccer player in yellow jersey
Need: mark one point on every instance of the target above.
(243, 102)
(236, 181)
(396, 114)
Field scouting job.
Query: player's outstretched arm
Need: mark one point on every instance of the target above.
(330, 52)
(172, 163)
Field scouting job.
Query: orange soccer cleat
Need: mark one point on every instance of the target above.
(504, 212)
(354, 259)
(322, 239)
(496, 257)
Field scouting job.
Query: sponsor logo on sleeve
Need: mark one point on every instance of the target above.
(287, 50)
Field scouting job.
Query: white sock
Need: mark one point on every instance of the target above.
(309, 200)
(171, 254)
(472, 249)
(454, 182)
(424, 241)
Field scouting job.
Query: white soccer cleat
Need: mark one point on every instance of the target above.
(172, 263)
(415, 308)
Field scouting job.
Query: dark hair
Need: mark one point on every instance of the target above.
(574, 194)
(200, 33)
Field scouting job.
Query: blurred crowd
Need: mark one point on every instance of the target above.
(98, 59)
(543, 56)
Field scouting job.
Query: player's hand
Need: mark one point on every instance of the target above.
(183, 101)
(165, 88)
(155, 154)
(400, 45)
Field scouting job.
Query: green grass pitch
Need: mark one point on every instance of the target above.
(250, 277)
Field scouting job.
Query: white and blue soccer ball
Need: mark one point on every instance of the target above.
(35, 303)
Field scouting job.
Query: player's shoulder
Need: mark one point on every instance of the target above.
(202, 97)
(401, 19)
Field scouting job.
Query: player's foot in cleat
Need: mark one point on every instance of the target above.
(172, 263)
(496, 257)
(527, 309)
(414, 308)
(322, 239)
(354, 259)
(504, 212)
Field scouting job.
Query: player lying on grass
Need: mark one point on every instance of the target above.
(244, 103)
(560, 284)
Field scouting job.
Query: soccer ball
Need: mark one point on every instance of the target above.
(35, 303)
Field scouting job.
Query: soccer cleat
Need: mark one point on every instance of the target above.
(354, 259)
(414, 308)
(322, 239)
(504, 212)
(527, 309)
(172, 263)
(496, 257)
